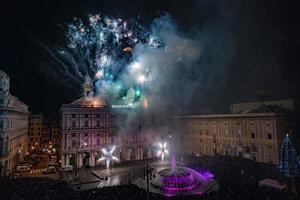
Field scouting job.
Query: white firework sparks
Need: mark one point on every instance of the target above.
(108, 156)
(162, 151)
(141, 79)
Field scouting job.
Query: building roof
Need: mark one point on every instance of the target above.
(87, 102)
(240, 115)
(264, 106)
(268, 109)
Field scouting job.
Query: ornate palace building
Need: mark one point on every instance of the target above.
(89, 124)
(13, 128)
(252, 130)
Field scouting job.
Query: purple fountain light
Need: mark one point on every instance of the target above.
(180, 180)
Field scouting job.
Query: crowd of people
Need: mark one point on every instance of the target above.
(237, 179)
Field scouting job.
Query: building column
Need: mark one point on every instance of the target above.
(91, 140)
(92, 159)
(79, 162)
(63, 144)
(63, 160)
(149, 153)
(137, 152)
(128, 154)
(142, 151)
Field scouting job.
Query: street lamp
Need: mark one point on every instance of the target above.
(148, 173)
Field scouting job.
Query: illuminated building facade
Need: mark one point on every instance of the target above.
(88, 125)
(35, 132)
(55, 138)
(255, 134)
(13, 128)
(45, 138)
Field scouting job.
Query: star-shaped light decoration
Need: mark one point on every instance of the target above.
(163, 150)
(108, 156)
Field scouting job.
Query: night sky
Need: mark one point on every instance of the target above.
(252, 47)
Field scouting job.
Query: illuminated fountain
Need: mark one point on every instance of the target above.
(174, 180)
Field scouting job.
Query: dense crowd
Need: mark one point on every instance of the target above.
(237, 179)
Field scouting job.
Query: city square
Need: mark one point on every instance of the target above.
(149, 100)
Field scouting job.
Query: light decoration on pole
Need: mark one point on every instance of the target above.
(108, 156)
(163, 150)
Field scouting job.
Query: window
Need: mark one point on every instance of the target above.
(73, 142)
(253, 135)
(73, 115)
(98, 139)
(86, 123)
(86, 115)
(1, 124)
(247, 149)
(98, 122)
(73, 124)
(254, 148)
(226, 133)
(73, 139)
(269, 136)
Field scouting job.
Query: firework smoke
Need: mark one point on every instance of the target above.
(130, 65)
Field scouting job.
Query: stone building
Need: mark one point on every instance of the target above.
(13, 128)
(255, 133)
(45, 138)
(55, 138)
(89, 124)
(35, 132)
